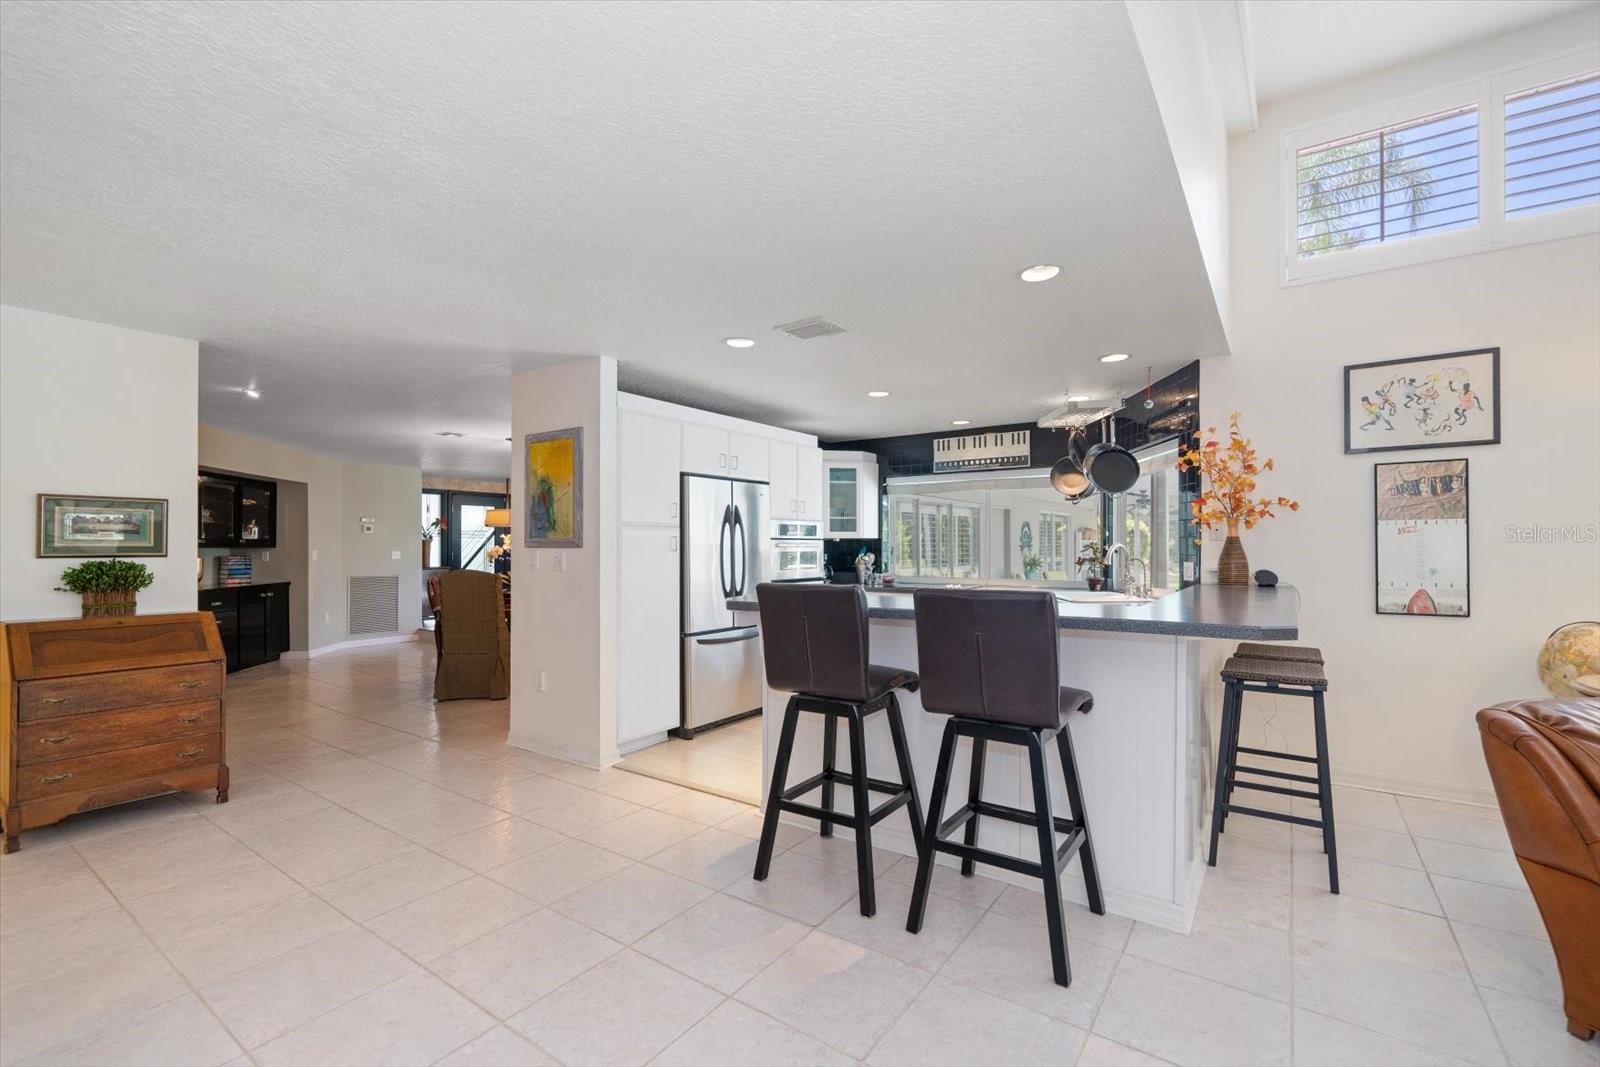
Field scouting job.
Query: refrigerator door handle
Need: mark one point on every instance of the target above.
(724, 550)
(748, 635)
(738, 539)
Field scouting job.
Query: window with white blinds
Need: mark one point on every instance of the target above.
(1552, 139)
(1404, 180)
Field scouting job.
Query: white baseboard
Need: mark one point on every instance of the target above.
(358, 642)
(641, 743)
(1419, 787)
(565, 753)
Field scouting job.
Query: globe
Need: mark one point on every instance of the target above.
(1569, 662)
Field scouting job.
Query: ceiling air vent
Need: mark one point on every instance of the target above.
(806, 329)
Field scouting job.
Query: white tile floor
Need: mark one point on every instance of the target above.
(392, 884)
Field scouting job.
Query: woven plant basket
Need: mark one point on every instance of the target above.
(103, 605)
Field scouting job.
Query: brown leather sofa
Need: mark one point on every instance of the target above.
(1544, 758)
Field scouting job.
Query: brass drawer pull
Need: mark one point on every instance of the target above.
(53, 779)
(189, 718)
(53, 700)
(189, 753)
(190, 685)
(56, 740)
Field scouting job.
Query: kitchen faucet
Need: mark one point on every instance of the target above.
(1139, 589)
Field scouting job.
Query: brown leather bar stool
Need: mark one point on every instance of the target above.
(1281, 676)
(814, 641)
(990, 660)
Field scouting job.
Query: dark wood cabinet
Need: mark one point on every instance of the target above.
(252, 620)
(237, 512)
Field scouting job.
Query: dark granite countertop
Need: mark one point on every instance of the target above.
(1234, 613)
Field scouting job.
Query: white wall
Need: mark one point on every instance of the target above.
(1173, 45)
(101, 411)
(1404, 689)
(337, 495)
(564, 600)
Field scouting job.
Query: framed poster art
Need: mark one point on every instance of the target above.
(100, 526)
(1443, 401)
(1423, 563)
(554, 489)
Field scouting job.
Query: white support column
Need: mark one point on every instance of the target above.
(564, 600)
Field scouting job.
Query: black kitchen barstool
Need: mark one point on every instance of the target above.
(1280, 671)
(990, 661)
(814, 641)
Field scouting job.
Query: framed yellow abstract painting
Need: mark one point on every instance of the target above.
(555, 489)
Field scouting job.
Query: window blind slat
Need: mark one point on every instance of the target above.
(1552, 138)
(1388, 184)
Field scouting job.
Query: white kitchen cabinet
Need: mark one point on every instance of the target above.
(797, 489)
(808, 476)
(785, 495)
(648, 565)
(850, 487)
(705, 450)
(750, 457)
(649, 450)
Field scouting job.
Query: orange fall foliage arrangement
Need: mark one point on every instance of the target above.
(1229, 470)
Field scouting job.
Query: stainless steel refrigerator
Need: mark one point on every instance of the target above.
(726, 553)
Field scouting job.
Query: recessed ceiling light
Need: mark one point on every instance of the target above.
(738, 342)
(253, 393)
(449, 433)
(960, 422)
(1042, 272)
(877, 394)
(1078, 399)
(1114, 357)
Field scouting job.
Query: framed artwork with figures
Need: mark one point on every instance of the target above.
(1442, 401)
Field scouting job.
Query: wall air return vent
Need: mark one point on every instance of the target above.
(806, 329)
(374, 604)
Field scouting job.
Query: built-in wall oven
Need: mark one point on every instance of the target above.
(796, 551)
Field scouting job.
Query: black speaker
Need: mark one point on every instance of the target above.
(1266, 579)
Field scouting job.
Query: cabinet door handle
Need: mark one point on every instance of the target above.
(672, 510)
(53, 700)
(722, 459)
(189, 718)
(189, 753)
(190, 685)
(56, 740)
(674, 543)
(55, 779)
(735, 462)
(216, 603)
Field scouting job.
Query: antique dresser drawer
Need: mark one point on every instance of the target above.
(43, 740)
(50, 697)
(41, 781)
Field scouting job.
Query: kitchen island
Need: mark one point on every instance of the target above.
(1145, 752)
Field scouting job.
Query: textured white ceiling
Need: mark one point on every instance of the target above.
(1303, 44)
(375, 212)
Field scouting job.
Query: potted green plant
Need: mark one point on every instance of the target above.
(108, 586)
(1093, 556)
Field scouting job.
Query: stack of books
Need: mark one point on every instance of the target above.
(234, 570)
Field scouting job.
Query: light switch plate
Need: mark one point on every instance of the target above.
(394, 553)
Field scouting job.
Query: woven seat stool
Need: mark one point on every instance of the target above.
(1301, 676)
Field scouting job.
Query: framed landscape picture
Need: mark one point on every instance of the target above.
(1443, 401)
(101, 526)
(555, 489)
(1423, 563)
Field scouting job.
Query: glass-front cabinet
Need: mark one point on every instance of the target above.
(219, 502)
(237, 512)
(851, 481)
